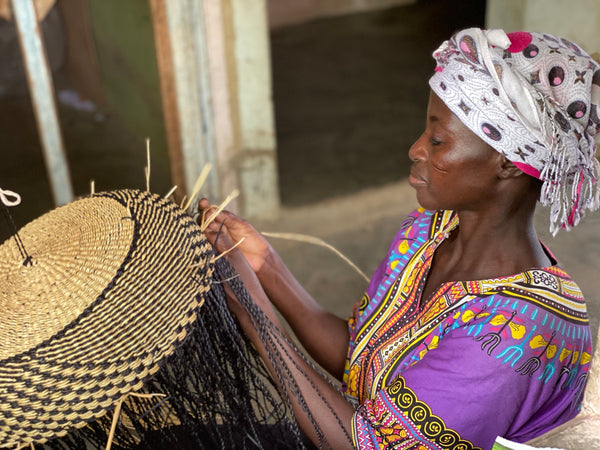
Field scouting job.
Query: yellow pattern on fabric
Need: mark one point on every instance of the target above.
(431, 426)
(516, 330)
(469, 315)
(585, 358)
(564, 354)
(538, 341)
(403, 248)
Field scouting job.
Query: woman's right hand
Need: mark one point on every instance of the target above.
(255, 248)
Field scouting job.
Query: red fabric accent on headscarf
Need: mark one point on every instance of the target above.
(519, 40)
(526, 168)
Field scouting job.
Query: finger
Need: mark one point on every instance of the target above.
(211, 236)
(207, 211)
(208, 217)
(221, 216)
(222, 241)
(218, 236)
(204, 203)
(234, 223)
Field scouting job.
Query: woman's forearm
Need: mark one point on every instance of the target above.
(323, 334)
(321, 410)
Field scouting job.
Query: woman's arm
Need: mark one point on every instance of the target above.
(324, 335)
(329, 411)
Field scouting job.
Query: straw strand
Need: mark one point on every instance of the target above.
(317, 241)
(171, 191)
(147, 168)
(205, 223)
(198, 184)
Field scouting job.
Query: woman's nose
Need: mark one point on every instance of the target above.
(417, 150)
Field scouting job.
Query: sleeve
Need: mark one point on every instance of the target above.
(457, 396)
(404, 234)
(383, 269)
(357, 311)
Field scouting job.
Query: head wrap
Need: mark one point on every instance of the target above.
(534, 98)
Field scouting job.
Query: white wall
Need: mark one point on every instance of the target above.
(576, 20)
(287, 12)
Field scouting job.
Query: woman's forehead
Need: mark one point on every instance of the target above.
(439, 113)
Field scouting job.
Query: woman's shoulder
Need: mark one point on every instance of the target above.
(552, 283)
(549, 289)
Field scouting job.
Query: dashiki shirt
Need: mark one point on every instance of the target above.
(479, 359)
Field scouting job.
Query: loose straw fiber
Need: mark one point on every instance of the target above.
(114, 284)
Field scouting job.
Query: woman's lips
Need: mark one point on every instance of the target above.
(415, 180)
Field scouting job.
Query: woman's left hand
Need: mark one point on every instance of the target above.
(253, 245)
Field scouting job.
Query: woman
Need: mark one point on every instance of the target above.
(469, 328)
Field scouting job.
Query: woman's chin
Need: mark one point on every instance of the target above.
(426, 201)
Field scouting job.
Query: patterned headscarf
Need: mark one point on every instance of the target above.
(534, 98)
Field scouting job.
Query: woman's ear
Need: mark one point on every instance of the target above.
(506, 169)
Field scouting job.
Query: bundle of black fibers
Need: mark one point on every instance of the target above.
(215, 392)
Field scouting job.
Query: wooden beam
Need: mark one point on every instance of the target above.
(42, 96)
(185, 23)
(164, 57)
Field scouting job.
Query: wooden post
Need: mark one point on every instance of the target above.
(42, 96)
(162, 43)
(185, 29)
(213, 58)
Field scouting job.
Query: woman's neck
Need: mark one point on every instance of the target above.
(500, 241)
(484, 249)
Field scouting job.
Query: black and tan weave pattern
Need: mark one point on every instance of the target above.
(96, 312)
(115, 333)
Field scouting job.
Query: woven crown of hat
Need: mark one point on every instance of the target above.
(111, 285)
(534, 98)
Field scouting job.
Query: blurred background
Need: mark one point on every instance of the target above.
(308, 107)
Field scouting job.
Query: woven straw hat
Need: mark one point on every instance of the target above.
(114, 282)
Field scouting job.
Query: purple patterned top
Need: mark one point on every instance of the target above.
(479, 359)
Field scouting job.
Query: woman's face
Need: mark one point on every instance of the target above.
(452, 167)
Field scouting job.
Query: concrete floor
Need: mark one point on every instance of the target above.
(350, 94)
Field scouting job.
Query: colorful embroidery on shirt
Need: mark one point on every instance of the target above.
(396, 331)
(529, 328)
(412, 426)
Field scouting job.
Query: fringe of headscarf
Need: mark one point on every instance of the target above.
(568, 189)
